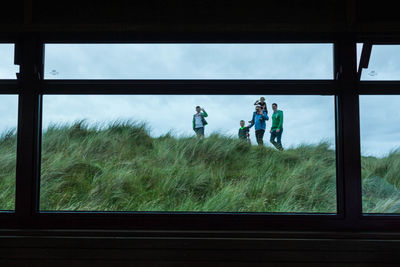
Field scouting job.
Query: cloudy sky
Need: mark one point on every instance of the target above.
(308, 119)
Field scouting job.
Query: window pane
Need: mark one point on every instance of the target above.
(8, 150)
(7, 67)
(189, 61)
(142, 154)
(380, 150)
(384, 63)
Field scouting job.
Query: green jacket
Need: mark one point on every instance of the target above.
(277, 120)
(203, 115)
(243, 131)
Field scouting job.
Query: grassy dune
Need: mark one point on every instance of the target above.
(120, 167)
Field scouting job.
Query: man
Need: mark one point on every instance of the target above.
(259, 121)
(199, 122)
(262, 104)
(244, 132)
(277, 127)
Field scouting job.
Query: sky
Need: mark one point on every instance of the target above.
(307, 119)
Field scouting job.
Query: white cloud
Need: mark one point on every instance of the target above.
(307, 118)
(7, 67)
(186, 61)
(8, 112)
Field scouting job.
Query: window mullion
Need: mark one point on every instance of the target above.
(349, 132)
(29, 55)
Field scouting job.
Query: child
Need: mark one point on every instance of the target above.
(244, 132)
(261, 103)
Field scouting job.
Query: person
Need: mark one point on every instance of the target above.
(277, 127)
(244, 132)
(199, 122)
(259, 123)
(261, 103)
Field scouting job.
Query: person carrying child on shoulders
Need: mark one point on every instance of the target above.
(260, 124)
(261, 103)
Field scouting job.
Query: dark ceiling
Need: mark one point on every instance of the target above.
(363, 18)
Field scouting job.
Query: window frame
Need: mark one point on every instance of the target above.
(345, 87)
(10, 87)
(215, 86)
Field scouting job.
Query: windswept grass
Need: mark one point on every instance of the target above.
(8, 149)
(119, 167)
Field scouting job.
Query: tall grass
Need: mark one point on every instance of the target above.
(119, 167)
(8, 149)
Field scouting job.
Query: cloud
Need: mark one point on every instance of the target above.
(384, 62)
(188, 61)
(7, 67)
(308, 119)
(379, 124)
(8, 112)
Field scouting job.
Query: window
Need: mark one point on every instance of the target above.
(7, 67)
(380, 150)
(383, 64)
(8, 127)
(143, 154)
(102, 152)
(189, 61)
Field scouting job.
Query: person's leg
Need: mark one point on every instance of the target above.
(278, 140)
(259, 137)
(272, 138)
(262, 136)
(202, 132)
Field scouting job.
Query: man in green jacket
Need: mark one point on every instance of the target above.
(277, 127)
(199, 122)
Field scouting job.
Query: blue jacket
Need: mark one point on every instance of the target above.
(259, 121)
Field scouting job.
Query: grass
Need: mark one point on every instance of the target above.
(121, 168)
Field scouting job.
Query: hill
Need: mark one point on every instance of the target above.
(121, 168)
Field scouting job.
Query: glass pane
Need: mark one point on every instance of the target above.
(7, 67)
(147, 153)
(384, 63)
(189, 61)
(8, 150)
(380, 150)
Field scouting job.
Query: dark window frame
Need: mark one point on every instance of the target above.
(9, 87)
(345, 87)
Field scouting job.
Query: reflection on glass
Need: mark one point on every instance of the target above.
(8, 150)
(189, 61)
(7, 67)
(163, 153)
(384, 63)
(380, 150)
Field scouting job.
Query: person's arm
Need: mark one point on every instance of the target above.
(265, 116)
(280, 120)
(193, 122)
(204, 113)
(252, 119)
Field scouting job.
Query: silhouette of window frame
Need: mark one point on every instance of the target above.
(8, 87)
(346, 87)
